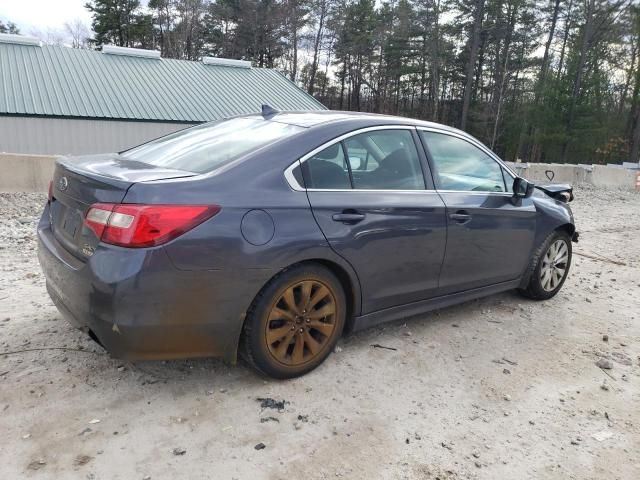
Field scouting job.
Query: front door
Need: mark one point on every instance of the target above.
(369, 196)
(489, 237)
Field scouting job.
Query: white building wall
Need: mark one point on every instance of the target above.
(61, 136)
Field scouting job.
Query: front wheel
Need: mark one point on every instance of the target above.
(294, 322)
(549, 267)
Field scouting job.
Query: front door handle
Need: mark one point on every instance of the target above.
(460, 217)
(348, 217)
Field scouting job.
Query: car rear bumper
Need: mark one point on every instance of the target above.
(140, 307)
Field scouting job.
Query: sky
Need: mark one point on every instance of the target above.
(43, 15)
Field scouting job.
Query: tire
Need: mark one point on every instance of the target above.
(546, 281)
(294, 323)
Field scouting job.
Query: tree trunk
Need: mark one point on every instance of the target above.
(478, 14)
(634, 114)
(634, 151)
(547, 47)
(502, 73)
(565, 39)
(577, 84)
(316, 49)
(477, 83)
(423, 78)
(627, 83)
(342, 80)
(435, 62)
(542, 79)
(293, 19)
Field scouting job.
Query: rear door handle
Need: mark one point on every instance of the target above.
(348, 217)
(460, 216)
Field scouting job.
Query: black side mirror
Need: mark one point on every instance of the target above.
(522, 188)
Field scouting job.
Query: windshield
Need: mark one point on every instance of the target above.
(209, 146)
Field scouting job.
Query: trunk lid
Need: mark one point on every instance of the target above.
(79, 182)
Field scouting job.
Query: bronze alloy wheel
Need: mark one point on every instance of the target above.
(301, 322)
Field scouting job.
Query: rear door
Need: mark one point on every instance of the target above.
(489, 237)
(374, 201)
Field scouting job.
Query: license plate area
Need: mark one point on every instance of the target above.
(67, 218)
(71, 223)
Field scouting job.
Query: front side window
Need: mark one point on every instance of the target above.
(508, 180)
(209, 146)
(461, 166)
(384, 160)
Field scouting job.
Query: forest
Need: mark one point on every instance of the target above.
(536, 80)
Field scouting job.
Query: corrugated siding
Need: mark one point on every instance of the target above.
(61, 136)
(60, 81)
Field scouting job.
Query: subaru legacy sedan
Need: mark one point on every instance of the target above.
(271, 235)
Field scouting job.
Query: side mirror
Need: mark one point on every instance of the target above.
(522, 188)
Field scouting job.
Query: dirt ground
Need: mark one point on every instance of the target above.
(501, 388)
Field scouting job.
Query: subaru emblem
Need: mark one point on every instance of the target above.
(63, 184)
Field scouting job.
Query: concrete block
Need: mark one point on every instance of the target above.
(26, 173)
(605, 176)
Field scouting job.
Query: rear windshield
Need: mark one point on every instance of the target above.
(209, 146)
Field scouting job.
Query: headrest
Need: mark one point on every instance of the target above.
(328, 153)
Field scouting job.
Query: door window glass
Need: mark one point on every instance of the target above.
(327, 169)
(459, 165)
(508, 181)
(384, 160)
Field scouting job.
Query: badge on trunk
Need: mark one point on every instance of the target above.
(63, 184)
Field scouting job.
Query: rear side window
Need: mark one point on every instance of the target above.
(376, 160)
(327, 169)
(209, 146)
(384, 160)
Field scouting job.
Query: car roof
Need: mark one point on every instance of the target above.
(310, 119)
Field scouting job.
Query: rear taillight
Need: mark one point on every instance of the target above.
(135, 225)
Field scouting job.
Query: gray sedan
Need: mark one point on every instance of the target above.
(272, 234)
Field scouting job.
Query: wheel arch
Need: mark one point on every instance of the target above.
(347, 277)
(570, 228)
(349, 284)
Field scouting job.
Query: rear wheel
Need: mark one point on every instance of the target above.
(295, 322)
(550, 267)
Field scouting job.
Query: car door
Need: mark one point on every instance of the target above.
(489, 236)
(375, 204)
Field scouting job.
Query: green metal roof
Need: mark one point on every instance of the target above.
(60, 81)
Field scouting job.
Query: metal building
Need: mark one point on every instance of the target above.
(58, 100)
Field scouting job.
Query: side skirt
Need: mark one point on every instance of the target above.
(423, 306)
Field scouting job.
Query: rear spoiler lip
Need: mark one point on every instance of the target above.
(113, 169)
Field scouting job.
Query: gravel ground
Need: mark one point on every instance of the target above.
(494, 389)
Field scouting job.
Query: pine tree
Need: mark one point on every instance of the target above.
(120, 22)
(10, 27)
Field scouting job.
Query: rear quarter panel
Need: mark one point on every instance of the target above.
(225, 242)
